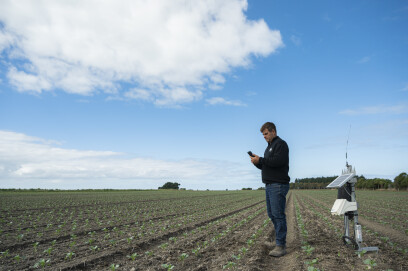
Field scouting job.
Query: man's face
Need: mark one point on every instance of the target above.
(269, 135)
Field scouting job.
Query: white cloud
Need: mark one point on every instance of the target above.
(250, 93)
(6, 40)
(405, 88)
(364, 60)
(171, 49)
(222, 101)
(27, 161)
(380, 109)
(139, 94)
(326, 17)
(296, 40)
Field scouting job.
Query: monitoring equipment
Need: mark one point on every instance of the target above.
(346, 205)
(342, 206)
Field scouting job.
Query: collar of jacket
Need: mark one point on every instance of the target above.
(276, 137)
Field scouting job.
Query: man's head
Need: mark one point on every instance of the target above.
(269, 131)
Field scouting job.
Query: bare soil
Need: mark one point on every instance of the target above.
(230, 241)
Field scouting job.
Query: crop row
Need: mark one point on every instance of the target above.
(127, 233)
(333, 226)
(16, 202)
(316, 229)
(23, 230)
(376, 206)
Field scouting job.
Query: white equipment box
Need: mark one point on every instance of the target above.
(342, 206)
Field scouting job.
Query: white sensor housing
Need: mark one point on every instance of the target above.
(342, 206)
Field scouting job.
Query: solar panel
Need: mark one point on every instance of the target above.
(341, 180)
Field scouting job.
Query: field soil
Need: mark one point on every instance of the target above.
(233, 239)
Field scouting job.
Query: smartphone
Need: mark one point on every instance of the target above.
(250, 154)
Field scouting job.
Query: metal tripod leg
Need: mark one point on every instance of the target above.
(346, 226)
(346, 238)
(359, 236)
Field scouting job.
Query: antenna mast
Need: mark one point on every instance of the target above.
(348, 137)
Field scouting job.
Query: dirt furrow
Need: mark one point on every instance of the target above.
(83, 263)
(394, 235)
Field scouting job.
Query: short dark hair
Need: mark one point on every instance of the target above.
(268, 125)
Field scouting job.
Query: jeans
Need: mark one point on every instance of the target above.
(275, 205)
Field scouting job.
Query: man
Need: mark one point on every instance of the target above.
(275, 168)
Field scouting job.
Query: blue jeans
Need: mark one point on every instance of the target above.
(275, 205)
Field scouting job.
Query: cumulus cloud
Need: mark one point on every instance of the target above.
(27, 161)
(222, 101)
(168, 50)
(379, 109)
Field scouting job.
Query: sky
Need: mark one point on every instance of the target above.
(130, 94)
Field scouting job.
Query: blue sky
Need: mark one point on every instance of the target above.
(131, 94)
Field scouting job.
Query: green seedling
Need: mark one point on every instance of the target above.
(162, 246)
(17, 258)
(149, 253)
(48, 251)
(183, 256)
(69, 255)
(370, 263)
(133, 256)
(312, 262)
(129, 239)
(308, 249)
(196, 251)
(361, 253)
(229, 265)
(244, 250)
(113, 267)
(167, 266)
(42, 263)
(35, 245)
(236, 257)
(94, 248)
(20, 237)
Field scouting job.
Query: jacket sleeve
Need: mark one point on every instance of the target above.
(279, 158)
(259, 165)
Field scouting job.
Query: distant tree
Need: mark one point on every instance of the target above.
(247, 188)
(401, 181)
(312, 183)
(170, 185)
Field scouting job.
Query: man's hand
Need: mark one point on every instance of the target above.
(255, 159)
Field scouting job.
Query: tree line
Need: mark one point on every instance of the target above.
(400, 182)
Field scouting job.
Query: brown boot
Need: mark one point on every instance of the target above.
(270, 245)
(278, 251)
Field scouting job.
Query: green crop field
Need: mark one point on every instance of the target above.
(193, 230)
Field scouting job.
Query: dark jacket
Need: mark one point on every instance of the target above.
(275, 163)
